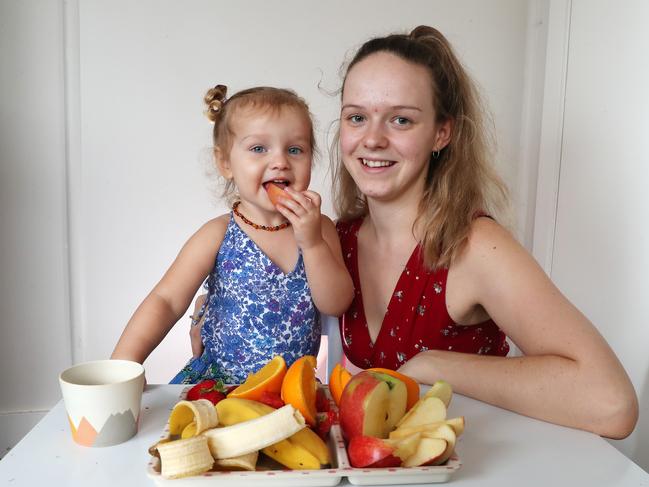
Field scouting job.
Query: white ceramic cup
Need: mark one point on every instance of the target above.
(102, 399)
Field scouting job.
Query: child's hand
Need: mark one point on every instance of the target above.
(303, 211)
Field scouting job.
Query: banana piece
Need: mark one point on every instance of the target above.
(235, 410)
(182, 458)
(292, 455)
(254, 434)
(309, 439)
(242, 462)
(201, 412)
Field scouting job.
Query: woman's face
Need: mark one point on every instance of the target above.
(388, 128)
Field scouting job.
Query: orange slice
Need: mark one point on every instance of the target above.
(299, 387)
(337, 382)
(411, 385)
(268, 378)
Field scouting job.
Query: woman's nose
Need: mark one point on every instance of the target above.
(375, 137)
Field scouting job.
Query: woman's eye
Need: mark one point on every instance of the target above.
(356, 118)
(295, 151)
(258, 148)
(402, 120)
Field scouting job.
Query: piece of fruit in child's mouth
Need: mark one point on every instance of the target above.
(276, 191)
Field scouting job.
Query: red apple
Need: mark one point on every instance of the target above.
(371, 404)
(369, 451)
(365, 451)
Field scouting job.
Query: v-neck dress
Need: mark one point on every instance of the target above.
(416, 319)
(253, 312)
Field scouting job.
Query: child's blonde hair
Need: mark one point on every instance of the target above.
(460, 183)
(221, 111)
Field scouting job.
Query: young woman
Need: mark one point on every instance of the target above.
(439, 282)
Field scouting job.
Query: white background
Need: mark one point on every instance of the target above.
(105, 171)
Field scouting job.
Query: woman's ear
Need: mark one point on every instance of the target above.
(443, 134)
(222, 163)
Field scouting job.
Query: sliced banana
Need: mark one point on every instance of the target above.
(242, 462)
(201, 412)
(254, 434)
(182, 458)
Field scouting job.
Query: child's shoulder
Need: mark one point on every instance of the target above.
(214, 229)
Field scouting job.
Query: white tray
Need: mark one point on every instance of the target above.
(274, 476)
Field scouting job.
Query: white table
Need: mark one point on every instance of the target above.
(499, 448)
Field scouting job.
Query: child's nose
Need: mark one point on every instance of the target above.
(279, 161)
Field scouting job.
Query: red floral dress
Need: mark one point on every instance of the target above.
(416, 319)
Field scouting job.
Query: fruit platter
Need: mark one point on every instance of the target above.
(281, 427)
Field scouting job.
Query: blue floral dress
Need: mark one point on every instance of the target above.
(253, 312)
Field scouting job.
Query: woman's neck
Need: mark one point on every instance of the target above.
(391, 223)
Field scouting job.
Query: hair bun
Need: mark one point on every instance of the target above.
(214, 99)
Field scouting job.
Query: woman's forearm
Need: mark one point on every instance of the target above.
(548, 387)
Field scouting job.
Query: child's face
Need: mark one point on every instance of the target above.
(268, 146)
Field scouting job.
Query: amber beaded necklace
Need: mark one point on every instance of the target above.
(256, 226)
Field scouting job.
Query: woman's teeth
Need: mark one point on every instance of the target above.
(370, 163)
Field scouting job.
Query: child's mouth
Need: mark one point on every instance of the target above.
(281, 183)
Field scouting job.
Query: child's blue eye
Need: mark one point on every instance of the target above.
(258, 148)
(295, 151)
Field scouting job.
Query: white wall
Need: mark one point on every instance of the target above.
(144, 67)
(594, 237)
(103, 134)
(34, 324)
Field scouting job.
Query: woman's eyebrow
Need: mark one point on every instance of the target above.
(395, 107)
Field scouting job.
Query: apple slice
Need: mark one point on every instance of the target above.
(457, 424)
(276, 191)
(444, 432)
(441, 389)
(426, 410)
(369, 451)
(371, 404)
(428, 451)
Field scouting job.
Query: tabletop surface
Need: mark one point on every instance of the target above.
(498, 448)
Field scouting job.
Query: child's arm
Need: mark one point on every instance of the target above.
(331, 285)
(170, 298)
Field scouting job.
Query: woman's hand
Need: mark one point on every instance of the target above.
(195, 329)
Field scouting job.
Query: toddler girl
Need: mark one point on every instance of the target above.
(271, 268)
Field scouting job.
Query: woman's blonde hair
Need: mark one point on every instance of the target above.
(461, 183)
(221, 111)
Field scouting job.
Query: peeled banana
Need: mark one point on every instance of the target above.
(182, 458)
(200, 412)
(242, 462)
(291, 452)
(254, 434)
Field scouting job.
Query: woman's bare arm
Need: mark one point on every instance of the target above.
(569, 375)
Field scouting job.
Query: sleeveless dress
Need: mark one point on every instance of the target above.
(416, 319)
(253, 312)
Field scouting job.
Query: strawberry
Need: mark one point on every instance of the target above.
(271, 399)
(209, 389)
(321, 401)
(325, 420)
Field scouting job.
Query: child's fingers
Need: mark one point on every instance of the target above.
(304, 198)
(313, 197)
